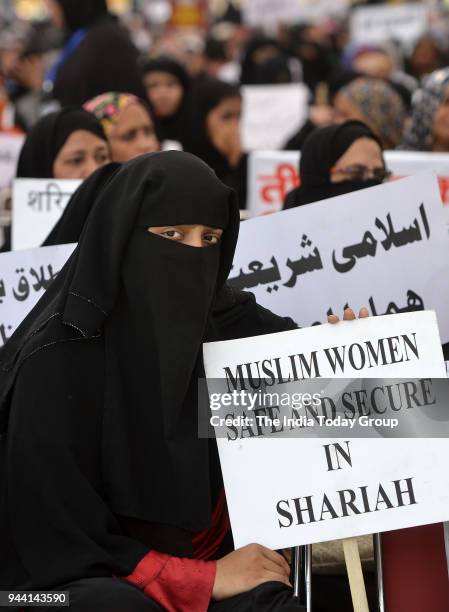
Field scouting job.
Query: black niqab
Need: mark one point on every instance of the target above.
(320, 152)
(150, 299)
(47, 138)
(82, 13)
(250, 72)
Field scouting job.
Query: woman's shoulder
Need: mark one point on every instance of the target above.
(238, 315)
(53, 352)
(107, 30)
(53, 363)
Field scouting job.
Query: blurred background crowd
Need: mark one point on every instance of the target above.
(89, 81)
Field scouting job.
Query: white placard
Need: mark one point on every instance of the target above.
(10, 146)
(377, 24)
(37, 206)
(393, 483)
(272, 174)
(269, 13)
(272, 114)
(406, 163)
(384, 247)
(24, 276)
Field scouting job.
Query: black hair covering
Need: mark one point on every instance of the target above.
(321, 150)
(150, 299)
(175, 126)
(209, 93)
(272, 71)
(249, 74)
(70, 225)
(82, 13)
(47, 138)
(164, 63)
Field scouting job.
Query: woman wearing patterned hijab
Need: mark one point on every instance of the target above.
(127, 123)
(377, 104)
(429, 127)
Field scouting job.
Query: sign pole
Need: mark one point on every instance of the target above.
(355, 575)
(302, 575)
(307, 580)
(296, 562)
(379, 571)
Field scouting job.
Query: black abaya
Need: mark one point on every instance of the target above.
(72, 477)
(105, 60)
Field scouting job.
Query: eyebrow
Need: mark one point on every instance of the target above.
(83, 151)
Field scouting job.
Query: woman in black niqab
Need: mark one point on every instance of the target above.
(321, 151)
(98, 400)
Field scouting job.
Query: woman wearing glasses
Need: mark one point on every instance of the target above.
(338, 159)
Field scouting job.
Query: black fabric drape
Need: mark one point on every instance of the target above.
(82, 13)
(105, 60)
(70, 225)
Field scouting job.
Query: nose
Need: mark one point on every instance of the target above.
(194, 241)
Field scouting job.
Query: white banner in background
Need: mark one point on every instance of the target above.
(377, 24)
(37, 204)
(303, 490)
(385, 247)
(272, 174)
(272, 114)
(269, 13)
(24, 276)
(10, 146)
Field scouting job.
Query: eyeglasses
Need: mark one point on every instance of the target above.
(358, 172)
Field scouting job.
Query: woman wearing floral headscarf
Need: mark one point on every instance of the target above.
(377, 104)
(429, 127)
(127, 123)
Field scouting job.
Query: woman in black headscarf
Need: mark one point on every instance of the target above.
(214, 133)
(167, 87)
(98, 407)
(338, 159)
(98, 55)
(264, 62)
(67, 144)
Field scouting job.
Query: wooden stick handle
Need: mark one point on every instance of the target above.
(355, 575)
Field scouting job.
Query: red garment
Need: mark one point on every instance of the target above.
(207, 542)
(178, 585)
(183, 585)
(415, 570)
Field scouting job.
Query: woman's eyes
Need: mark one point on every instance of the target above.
(208, 239)
(211, 239)
(133, 134)
(129, 136)
(74, 161)
(102, 157)
(173, 234)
